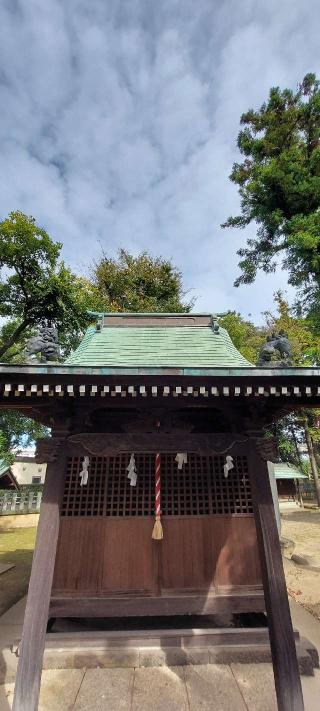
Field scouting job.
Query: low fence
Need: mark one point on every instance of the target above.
(20, 502)
(307, 490)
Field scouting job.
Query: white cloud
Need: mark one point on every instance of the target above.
(118, 124)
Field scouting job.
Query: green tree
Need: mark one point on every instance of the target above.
(36, 286)
(279, 186)
(304, 342)
(142, 283)
(247, 337)
(298, 427)
(17, 432)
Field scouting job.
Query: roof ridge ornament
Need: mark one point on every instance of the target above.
(99, 324)
(214, 323)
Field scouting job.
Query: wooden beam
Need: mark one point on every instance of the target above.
(109, 444)
(27, 687)
(284, 657)
(174, 604)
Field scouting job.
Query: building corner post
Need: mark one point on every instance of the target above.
(282, 642)
(28, 678)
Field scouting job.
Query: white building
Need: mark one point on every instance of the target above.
(27, 471)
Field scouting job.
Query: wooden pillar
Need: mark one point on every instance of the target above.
(283, 649)
(27, 686)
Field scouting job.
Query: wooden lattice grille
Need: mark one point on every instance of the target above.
(199, 489)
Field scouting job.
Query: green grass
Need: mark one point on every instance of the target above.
(16, 546)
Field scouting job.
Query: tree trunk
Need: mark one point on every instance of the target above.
(313, 462)
(298, 455)
(14, 337)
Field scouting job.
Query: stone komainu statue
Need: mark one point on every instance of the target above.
(45, 343)
(276, 353)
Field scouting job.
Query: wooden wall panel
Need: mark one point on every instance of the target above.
(129, 563)
(79, 557)
(236, 556)
(109, 555)
(209, 551)
(186, 553)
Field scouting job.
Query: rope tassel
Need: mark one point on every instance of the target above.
(157, 532)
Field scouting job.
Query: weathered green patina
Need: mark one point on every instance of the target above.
(283, 470)
(159, 344)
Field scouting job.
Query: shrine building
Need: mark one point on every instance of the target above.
(157, 499)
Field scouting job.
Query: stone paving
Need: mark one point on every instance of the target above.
(218, 687)
(238, 687)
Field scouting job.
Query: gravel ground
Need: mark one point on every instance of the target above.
(303, 527)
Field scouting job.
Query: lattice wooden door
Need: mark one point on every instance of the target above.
(199, 489)
(105, 538)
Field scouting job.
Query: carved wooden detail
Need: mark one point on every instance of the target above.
(48, 449)
(105, 444)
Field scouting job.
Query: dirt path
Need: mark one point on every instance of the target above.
(303, 527)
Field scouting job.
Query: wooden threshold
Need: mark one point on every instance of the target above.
(166, 605)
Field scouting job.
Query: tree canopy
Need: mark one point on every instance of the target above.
(279, 186)
(142, 283)
(297, 428)
(16, 432)
(34, 285)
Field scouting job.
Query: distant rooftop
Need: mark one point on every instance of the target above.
(161, 340)
(284, 470)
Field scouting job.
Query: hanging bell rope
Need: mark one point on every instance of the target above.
(157, 532)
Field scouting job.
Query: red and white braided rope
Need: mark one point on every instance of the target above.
(158, 486)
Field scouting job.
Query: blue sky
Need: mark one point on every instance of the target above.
(119, 120)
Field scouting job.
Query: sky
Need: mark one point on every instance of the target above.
(119, 121)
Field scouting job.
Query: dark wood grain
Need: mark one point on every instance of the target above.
(247, 600)
(79, 555)
(110, 444)
(284, 657)
(208, 552)
(108, 555)
(28, 677)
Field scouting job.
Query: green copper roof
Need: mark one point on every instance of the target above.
(4, 466)
(158, 344)
(283, 470)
